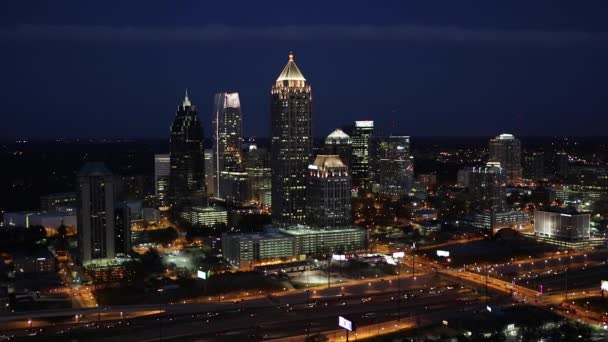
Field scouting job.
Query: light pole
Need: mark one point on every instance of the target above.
(487, 273)
(399, 289)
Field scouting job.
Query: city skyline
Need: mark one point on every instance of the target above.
(544, 67)
(333, 171)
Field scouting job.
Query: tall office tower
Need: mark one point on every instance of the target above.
(506, 150)
(360, 136)
(561, 163)
(187, 173)
(291, 149)
(257, 165)
(210, 180)
(539, 165)
(227, 138)
(391, 165)
(122, 229)
(484, 185)
(161, 175)
(95, 212)
(339, 143)
(328, 200)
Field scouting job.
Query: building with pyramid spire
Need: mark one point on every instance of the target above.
(187, 164)
(291, 144)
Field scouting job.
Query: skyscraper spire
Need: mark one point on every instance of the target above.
(186, 100)
(291, 72)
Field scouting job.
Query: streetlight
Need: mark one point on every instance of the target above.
(29, 324)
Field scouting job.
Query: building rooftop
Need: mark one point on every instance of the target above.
(291, 72)
(564, 210)
(306, 230)
(505, 136)
(324, 162)
(207, 209)
(338, 137)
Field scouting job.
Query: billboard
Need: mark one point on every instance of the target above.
(338, 257)
(443, 253)
(345, 323)
(398, 255)
(604, 285)
(203, 274)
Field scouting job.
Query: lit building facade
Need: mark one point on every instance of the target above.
(484, 183)
(187, 165)
(95, 213)
(506, 150)
(562, 223)
(329, 196)
(291, 242)
(210, 179)
(162, 166)
(391, 165)
(362, 132)
(242, 249)
(338, 240)
(227, 140)
(205, 216)
(257, 166)
(291, 143)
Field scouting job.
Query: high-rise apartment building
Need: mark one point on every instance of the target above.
(187, 173)
(561, 164)
(391, 165)
(227, 140)
(122, 229)
(328, 200)
(161, 175)
(257, 166)
(484, 185)
(506, 150)
(95, 213)
(339, 143)
(291, 144)
(210, 180)
(360, 137)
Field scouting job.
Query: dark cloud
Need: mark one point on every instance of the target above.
(454, 35)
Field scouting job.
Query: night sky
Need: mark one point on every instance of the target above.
(450, 68)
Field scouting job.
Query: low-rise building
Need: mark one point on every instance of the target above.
(500, 219)
(40, 261)
(562, 223)
(205, 216)
(314, 241)
(290, 243)
(241, 249)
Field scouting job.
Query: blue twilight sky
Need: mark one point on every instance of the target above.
(424, 68)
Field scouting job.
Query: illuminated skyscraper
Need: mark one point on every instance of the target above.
(291, 149)
(187, 173)
(391, 164)
(360, 136)
(328, 201)
(161, 175)
(339, 143)
(506, 150)
(227, 140)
